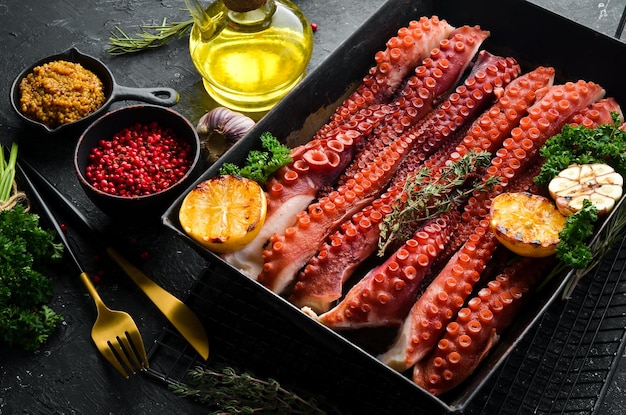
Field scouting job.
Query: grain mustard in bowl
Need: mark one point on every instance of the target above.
(72, 89)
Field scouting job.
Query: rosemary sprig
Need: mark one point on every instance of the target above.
(227, 392)
(422, 200)
(151, 36)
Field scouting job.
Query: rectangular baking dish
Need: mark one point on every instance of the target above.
(532, 35)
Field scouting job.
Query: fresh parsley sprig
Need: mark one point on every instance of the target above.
(261, 164)
(25, 319)
(572, 249)
(581, 145)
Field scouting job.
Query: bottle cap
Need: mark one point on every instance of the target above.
(242, 6)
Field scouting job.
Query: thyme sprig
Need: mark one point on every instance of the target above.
(151, 36)
(422, 199)
(227, 392)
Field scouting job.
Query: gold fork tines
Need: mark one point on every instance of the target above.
(116, 336)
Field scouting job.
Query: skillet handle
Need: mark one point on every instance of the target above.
(158, 96)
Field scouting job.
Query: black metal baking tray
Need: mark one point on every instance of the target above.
(564, 364)
(529, 33)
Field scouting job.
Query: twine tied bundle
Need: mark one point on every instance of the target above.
(17, 196)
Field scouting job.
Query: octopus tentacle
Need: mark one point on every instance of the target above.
(385, 295)
(489, 131)
(290, 250)
(443, 297)
(402, 54)
(448, 291)
(320, 281)
(477, 328)
(435, 76)
(597, 113)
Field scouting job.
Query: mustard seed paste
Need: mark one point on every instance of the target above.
(60, 92)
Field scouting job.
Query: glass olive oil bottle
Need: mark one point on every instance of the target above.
(250, 53)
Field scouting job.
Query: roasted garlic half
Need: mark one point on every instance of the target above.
(597, 182)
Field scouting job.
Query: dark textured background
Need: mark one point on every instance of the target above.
(67, 376)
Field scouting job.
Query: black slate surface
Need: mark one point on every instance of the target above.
(67, 376)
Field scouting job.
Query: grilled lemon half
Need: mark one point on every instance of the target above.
(224, 213)
(527, 224)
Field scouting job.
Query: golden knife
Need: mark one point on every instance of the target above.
(177, 312)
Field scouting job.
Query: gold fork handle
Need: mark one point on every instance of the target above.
(92, 291)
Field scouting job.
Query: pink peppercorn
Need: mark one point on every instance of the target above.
(139, 160)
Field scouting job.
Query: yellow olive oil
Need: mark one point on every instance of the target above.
(249, 61)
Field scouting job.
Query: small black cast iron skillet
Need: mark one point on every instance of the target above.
(112, 91)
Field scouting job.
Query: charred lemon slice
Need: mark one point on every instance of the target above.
(597, 182)
(527, 224)
(224, 213)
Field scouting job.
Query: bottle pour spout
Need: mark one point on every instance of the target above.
(201, 19)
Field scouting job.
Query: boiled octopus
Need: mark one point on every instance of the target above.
(285, 254)
(304, 240)
(478, 326)
(448, 288)
(447, 293)
(321, 161)
(320, 282)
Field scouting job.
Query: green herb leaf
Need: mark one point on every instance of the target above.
(422, 199)
(580, 145)
(260, 165)
(25, 319)
(572, 248)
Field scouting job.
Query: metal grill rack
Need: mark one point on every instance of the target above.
(564, 364)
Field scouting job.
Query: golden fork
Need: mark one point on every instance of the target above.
(177, 312)
(114, 333)
(116, 336)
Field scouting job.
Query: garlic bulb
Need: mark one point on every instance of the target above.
(220, 128)
(597, 182)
